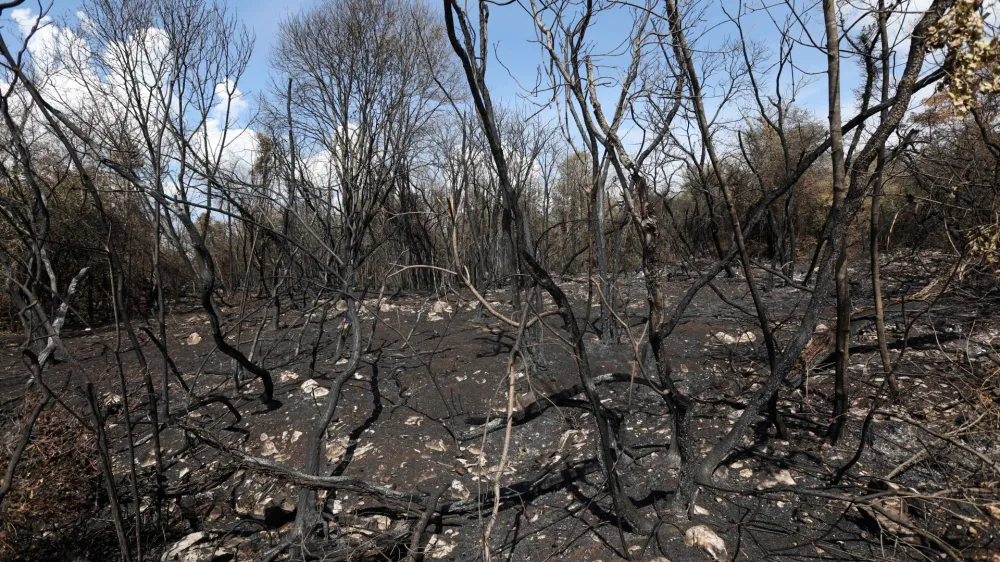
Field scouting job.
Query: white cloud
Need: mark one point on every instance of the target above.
(112, 85)
(230, 106)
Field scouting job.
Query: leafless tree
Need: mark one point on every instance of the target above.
(649, 158)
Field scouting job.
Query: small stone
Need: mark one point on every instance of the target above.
(439, 548)
(193, 339)
(784, 478)
(178, 548)
(336, 449)
(382, 522)
(363, 450)
(436, 446)
(459, 490)
(260, 508)
(268, 449)
(705, 538)
(745, 337)
(313, 388)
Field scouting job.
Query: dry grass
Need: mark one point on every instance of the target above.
(56, 481)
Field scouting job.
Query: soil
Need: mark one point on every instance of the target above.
(435, 369)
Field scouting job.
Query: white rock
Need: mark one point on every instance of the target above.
(268, 449)
(459, 490)
(149, 461)
(335, 450)
(784, 478)
(363, 450)
(261, 506)
(436, 445)
(193, 339)
(201, 553)
(438, 547)
(994, 511)
(745, 337)
(312, 387)
(705, 538)
(174, 552)
(286, 376)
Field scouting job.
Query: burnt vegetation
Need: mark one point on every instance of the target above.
(652, 306)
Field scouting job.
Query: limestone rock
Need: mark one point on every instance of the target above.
(180, 547)
(312, 388)
(705, 538)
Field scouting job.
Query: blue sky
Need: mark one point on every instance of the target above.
(510, 27)
(516, 57)
(262, 17)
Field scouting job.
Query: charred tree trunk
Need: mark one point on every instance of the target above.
(843, 329)
(473, 64)
(874, 234)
